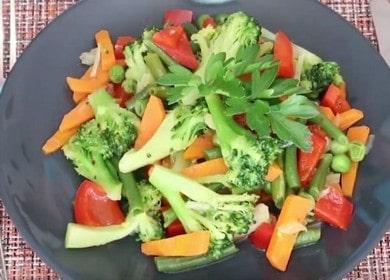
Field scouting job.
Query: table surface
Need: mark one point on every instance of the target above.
(22, 20)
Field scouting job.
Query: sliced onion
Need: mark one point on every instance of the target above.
(96, 63)
(333, 179)
(370, 143)
(88, 58)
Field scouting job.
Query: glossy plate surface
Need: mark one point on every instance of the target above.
(38, 190)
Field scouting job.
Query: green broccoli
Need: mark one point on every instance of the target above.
(238, 30)
(320, 76)
(99, 141)
(247, 156)
(140, 219)
(223, 215)
(150, 196)
(138, 74)
(178, 130)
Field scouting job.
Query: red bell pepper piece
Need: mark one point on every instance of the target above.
(209, 21)
(175, 228)
(120, 95)
(283, 51)
(261, 237)
(316, 129)
(177, 17)
(334, 99)
(173, 40)
(334, 209)
(307, 161)
(120, 45)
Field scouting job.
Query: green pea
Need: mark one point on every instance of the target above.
(338, 148)
(117, 73)
(341, 163)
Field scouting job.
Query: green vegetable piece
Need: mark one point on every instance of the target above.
(159, 91)
(117, 73)
(128, 86)
(278, 191)
(213, 153)
(341, 163)
(357, 151)
(309, 237)
(318, 182)
(333, 131)
(190, 29)
(163, 56)
(169, 216)
(179, 264)
(221, 18)
(339, 148)
(291, 168)
(155, 65)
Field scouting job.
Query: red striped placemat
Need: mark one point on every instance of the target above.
(23, 19)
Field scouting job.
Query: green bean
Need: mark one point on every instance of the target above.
(309, 237)
(318, 181)
(163, 56)
(333, 131)
(190, 29)
(178, 264)
(278, 191)
(291, 169)
(213, 153)
(155, 65)
(159, 91)
(169, 216)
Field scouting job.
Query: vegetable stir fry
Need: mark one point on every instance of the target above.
(196, 135)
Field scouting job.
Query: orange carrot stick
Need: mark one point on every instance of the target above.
(274, 171)
(78, 96)
(75, 118)
(206, 168)
(349, 118)
(197, 149)
(57, 140)
(185, 245)
(295, 209)
(106, 49)
(90, 85)
(153, 116)
(348, 180)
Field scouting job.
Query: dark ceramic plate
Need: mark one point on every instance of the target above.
(38, 190)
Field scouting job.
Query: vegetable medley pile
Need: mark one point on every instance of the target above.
(195, 136)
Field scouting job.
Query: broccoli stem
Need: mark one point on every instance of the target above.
(278, 187)
(178, 264)
(318, 181)
(164, 57)
(131, 192)
(333, 131)
(169, 216)
(291, 169)
(309, 237)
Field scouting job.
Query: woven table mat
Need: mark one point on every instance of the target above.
(22, 21)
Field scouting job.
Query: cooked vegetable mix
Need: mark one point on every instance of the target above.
(203, 131)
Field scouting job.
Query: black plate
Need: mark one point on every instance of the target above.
(38, 190)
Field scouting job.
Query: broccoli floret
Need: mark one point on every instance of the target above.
(223, 215)
(178, 130)
(138, 73)
(150, 196)
(247, 156)
(320, 76)
(239, 30)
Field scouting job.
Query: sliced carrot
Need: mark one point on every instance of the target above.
(197, 149)
(295, 209)
(106, 49)
(274, 171)
(90, 85)
(153, 116)
(327, 112)
(184, 245)
(75, 118)
(57, 140)
(349, 118)
(343, 90)
(206, 168)
(348, 180)
(78, 96)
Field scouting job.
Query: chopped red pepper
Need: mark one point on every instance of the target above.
(334, 209)
(241, 120)
(177, 17)
(209, 21)
(314, 128)
(173, 40)
(307, 161)
(120, 95)
(120, 45)
(261, 237)
(334, 99)
(283, 51)
(175, 228)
